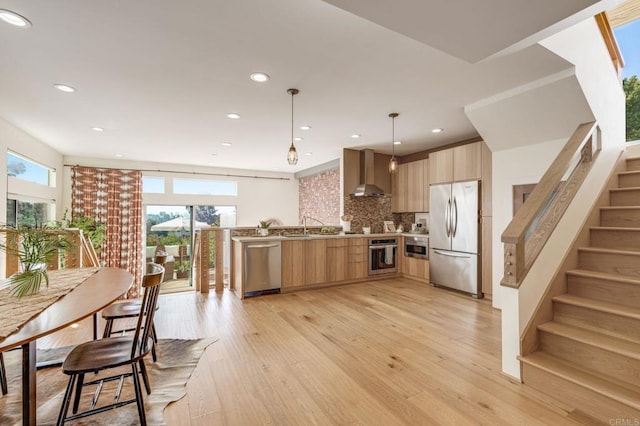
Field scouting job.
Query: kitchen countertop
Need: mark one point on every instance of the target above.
(310, 237)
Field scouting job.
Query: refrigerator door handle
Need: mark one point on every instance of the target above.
(454, 220)
(447, 218)
(452, 254)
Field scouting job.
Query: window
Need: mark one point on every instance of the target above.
(204, 187)
(28, 213)
(152, 185)
(24, 169)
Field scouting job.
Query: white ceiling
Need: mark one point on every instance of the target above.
(160, 76)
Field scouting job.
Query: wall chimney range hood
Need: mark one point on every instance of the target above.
(368, 188)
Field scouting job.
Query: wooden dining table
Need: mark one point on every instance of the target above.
(88, 298)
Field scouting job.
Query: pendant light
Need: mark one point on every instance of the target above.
(292, 156)
(393, 163)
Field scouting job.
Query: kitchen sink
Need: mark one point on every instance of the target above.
(295, 235)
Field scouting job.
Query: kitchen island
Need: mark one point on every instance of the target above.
(321, 260)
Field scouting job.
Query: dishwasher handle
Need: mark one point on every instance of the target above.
(260, 246)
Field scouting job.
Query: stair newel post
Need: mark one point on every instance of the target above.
(513, 262)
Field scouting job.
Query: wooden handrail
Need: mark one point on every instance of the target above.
(610, 41)
(532, 225)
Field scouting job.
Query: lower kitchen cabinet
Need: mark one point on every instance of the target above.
(357, 266)
(315, 254)
(415, 268)
(337, 260)
(293, 264)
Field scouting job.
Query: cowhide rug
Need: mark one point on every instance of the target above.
(168, 377)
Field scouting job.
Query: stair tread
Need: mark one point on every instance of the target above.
(595, 383)
(609, 251)
(615, 228)
(603, 341)
(585, 273)
(620, 208)
(608, 307)
(626, 189)
(630, 172)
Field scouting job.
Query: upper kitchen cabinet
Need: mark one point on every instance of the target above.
(441, 166)
(464, 162)
(399, 200)
(411, 187)
(467, 162)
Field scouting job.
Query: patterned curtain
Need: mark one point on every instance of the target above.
(113, 197)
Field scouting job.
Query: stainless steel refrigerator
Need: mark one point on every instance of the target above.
(454, 219)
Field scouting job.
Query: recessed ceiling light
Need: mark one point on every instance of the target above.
(213, 155)
(97, 129)
(308, 153)
(297, 139)
(437, 130)
(64, 88)
(397, 143)
(14, 19)
(260, 77)
(355, 136)
(233, 115)
(74, 325)
(305, 127)
(118, 155)
(226, 143)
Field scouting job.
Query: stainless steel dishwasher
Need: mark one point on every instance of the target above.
(262, 267)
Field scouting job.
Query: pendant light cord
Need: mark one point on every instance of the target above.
(292, 95)
(393, 136)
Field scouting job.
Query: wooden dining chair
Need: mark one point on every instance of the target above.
(112, 352)
(130, 309)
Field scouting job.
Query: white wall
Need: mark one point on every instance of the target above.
(583, 46)
(592, 91)
(257, 199)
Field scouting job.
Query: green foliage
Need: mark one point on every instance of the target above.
(96, 232)
(631, 86)
(34, 247)
(182, 266)
(265, 224)
(207, 214)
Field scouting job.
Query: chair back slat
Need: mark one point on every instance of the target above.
(151, 284)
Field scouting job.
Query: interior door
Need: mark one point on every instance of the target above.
(465, 213)
(439, 198)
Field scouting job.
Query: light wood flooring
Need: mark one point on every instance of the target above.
(388, 352)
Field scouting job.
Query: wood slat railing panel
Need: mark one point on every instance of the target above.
(534, 223)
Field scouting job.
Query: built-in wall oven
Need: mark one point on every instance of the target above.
(416, 247)
(383, 255)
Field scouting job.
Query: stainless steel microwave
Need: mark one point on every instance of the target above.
(416, 247)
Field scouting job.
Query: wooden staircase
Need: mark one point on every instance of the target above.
(589, 355)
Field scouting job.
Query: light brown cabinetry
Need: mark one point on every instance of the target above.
(441, 166)
(315, 254)
(357, 266)
(411, 187)
(415, 268)
(456, 164)
(293, 264)
(399, 192)
(337, 259)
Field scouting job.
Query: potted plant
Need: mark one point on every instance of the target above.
(264, 227)
(183, 268)
(34, 247)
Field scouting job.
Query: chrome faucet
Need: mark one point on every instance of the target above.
(304, 223)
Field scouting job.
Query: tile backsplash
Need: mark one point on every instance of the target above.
(368, 211)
